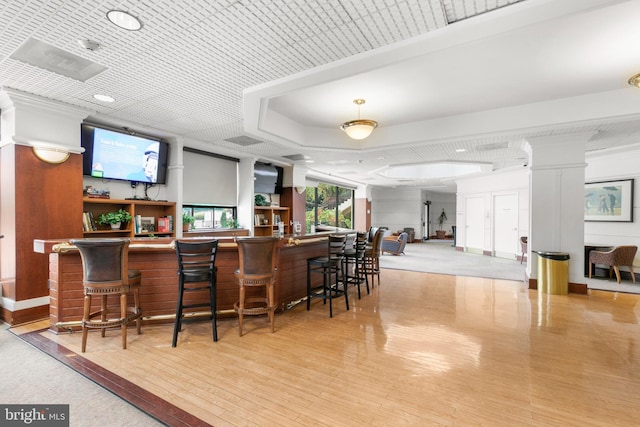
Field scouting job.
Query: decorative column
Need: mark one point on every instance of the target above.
(40, 196)
(556, 200)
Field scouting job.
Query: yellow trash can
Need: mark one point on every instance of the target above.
(553, 272)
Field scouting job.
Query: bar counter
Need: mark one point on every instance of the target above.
(156, 259)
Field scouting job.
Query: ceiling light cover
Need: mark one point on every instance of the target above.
(635, 81)
(360, 128)
(103, 98)
(124, 20)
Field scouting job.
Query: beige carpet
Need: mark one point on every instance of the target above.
(33, 377)
(442, 258)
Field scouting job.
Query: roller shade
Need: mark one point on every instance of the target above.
(209, 180)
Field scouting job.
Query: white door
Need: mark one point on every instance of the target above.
(505, 226)
(474, 227)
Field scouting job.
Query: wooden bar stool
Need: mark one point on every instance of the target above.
(196, 273)
(257, 258)
(328, 266)
(371, 265)
(105, 272)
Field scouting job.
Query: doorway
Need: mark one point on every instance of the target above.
(505, 226)
(474, 227)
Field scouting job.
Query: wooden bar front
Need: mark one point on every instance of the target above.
(159, 291)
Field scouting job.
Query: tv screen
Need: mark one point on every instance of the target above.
(267, 178)
(111, 154)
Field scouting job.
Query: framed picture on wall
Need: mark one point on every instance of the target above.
(610, 201)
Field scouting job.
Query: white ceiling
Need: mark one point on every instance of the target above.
(438, 75)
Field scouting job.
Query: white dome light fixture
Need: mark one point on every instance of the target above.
(360, 128)
(124, 20)
(103, 98)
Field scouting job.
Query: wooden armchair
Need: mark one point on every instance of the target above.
(614, 258)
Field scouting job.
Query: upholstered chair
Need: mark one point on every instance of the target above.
(523, 247)
(395, 244)
(614, 259)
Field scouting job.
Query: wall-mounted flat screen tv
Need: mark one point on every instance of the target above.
(111, 154)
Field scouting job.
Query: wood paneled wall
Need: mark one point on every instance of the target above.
(48, 205)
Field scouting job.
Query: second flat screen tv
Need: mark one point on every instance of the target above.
(111, 154)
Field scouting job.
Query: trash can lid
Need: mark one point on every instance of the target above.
(556, 256)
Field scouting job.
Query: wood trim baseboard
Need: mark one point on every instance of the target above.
(574, 288)
(149, 403)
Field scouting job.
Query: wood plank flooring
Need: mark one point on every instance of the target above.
(422, 349)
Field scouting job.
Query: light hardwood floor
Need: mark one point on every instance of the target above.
(421, 350)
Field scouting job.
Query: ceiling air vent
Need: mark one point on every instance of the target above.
(50, 58)
(244, 140)
(296, 157)
(494, 146)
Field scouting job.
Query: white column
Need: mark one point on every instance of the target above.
(245, 192)
(556, 200)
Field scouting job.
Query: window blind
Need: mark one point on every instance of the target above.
(209, 180)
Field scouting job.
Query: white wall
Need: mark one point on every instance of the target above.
(615, 166)
(507, 182)
(397, 208)
(440, 201)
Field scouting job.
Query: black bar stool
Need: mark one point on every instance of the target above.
(328, 266)
(196, 273)
(355, 256)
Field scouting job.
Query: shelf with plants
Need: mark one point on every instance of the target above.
(136, 209)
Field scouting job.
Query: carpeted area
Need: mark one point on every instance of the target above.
(604, 284)
(33, 377)
(442, 258)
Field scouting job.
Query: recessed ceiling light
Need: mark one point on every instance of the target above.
(124, 20)
(103, 98)
(460, 150)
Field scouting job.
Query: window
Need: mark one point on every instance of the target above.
(209, 217)
(329, 205)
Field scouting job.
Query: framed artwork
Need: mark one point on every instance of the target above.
(610, 201)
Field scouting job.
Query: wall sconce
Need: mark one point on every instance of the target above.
(51, 155)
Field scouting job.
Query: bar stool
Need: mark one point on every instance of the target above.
(355, 256)
(196, 273)
(257, 258)
(105, 272)
(371, 265)
(328, 266)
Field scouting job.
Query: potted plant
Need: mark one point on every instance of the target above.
(114, 218)
(187, 221)
(440, 233)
